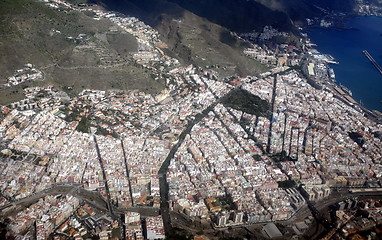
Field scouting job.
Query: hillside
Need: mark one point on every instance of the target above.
(246, 15)
(202, 43)
(191, 38)
(51, 40)
(238, 15)
(243, 15)
(70, 47)
(235, 15)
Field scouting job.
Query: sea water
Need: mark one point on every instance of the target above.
(355, 71)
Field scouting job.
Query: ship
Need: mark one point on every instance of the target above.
(330, 59)
(332, 62)
(331, 74)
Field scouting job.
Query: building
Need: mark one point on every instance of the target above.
(316, 192)
(132, 218)
(155, 228)
(270, 230)
(221, 220)
(310, 70)
(238, 217)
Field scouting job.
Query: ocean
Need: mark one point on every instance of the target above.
(355, 71)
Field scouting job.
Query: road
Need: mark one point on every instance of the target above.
(165, 211)
(76, 190)
(162, 172)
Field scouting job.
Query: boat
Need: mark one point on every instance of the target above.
(331, 74)
(332, 62)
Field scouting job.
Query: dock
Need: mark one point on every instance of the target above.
(376, 65)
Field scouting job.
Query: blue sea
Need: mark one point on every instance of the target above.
(355, 71)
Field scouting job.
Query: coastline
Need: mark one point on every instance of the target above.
(354, 69)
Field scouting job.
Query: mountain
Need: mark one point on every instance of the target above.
(235, 15)
(31, 32)
(245, 15)
(192, 38)
(197, 32)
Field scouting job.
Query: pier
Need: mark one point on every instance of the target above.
(376, 65)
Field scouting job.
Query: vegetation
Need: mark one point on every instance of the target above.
(179, 234)
(31, 32)
(84, 125)
(257, 157)
(207, 45)
(17, 124)
(243, 100)
(77, 1)
(226, 203)
(288, 184)
(116, 233)
(192, 39)
(118, 42)
(357, 137)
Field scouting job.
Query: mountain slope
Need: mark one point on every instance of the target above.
(202, 43)
(31, 32)
(191, 38)
(238, 15)
(235, 15)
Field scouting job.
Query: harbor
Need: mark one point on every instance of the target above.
(354, 70)
(376, 65)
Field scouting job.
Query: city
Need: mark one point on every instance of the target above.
(222, 152)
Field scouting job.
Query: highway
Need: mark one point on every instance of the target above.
(76, 190)
(91, 197)
(319, 209)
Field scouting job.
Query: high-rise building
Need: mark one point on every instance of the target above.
(221, 220)
(238, 217)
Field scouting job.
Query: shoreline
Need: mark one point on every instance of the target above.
(338, 22)
(370, 111)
